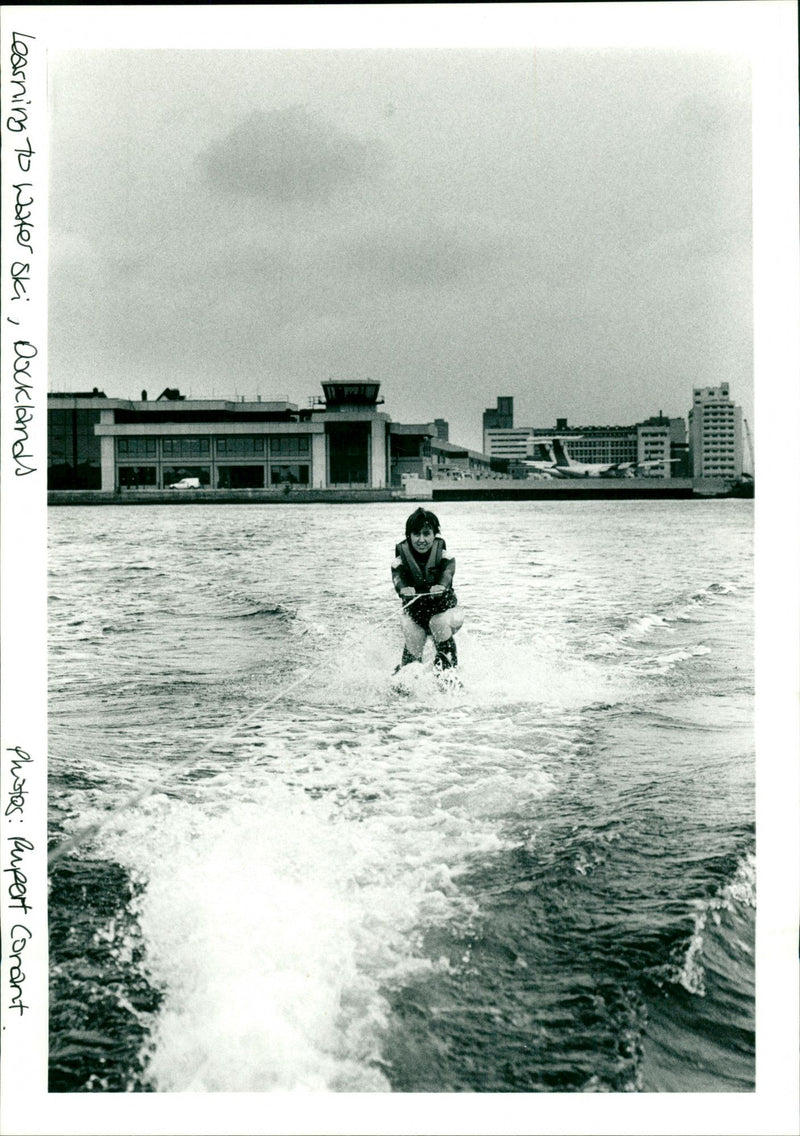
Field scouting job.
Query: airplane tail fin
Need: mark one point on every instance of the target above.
(561, 453)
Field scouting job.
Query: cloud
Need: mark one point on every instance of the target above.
(419, 254)
(289, 155)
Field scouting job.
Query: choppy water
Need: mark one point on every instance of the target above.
(541, 882)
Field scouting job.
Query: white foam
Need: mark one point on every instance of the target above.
(641, 628)
(739, 891)
(494, 669)
(664, 663)
(285, 895)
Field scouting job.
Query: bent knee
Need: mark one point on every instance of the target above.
(414, 636)
(446, 623)
(456, 618)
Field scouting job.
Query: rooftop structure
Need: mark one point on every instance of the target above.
(500, 417)
(340, 396)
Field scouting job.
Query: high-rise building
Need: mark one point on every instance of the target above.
(500, 417)
(715, 433)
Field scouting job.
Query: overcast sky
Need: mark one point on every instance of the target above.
(570, 227)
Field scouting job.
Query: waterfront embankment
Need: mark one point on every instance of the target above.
(591, 489)
(222, 496)
(588, 489)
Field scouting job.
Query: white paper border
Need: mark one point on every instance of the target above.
(766, 31)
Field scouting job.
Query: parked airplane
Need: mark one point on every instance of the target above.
(558, 462)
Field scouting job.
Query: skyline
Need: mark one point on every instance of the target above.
(454, 224)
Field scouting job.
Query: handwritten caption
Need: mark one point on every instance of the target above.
(21, 270)
(17, 877)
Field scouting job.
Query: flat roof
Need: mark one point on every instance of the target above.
(413, 428)
(172, 405)
(458, 451)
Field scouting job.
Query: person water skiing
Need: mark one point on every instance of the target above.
(423, 568)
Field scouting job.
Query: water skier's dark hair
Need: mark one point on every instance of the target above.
(419, 519)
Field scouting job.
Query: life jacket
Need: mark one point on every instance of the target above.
(429, 573)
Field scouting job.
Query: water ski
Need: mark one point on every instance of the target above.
(416, 677)
(447, 679)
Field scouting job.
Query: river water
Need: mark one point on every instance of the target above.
(540, 882)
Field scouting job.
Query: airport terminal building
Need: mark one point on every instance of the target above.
(342, 440)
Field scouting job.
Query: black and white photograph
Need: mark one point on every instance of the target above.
(404, 678)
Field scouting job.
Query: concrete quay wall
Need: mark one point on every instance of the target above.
(465, 490)
(564, 489)
(591, 488)
(219, 496)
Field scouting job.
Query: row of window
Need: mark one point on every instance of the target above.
(65, 421)
(278, 446)
(228, 477)
(607, 453)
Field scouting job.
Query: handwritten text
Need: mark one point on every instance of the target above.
(24, 352)
(20, 936)
(17, 793)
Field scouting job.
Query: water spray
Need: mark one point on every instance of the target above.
(91, 830)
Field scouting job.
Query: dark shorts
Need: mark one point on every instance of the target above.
(421, 610)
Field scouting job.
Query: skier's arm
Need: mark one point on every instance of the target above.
(446, 577)
(400, 578)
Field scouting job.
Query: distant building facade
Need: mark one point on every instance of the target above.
(455, 461)
(74, 458)
(656, 440)
(663, 440)
(643, 442)
(600, 443)
(411, 450)
(506, 444)
(130, 445)
(341, 440)
(715, 433)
